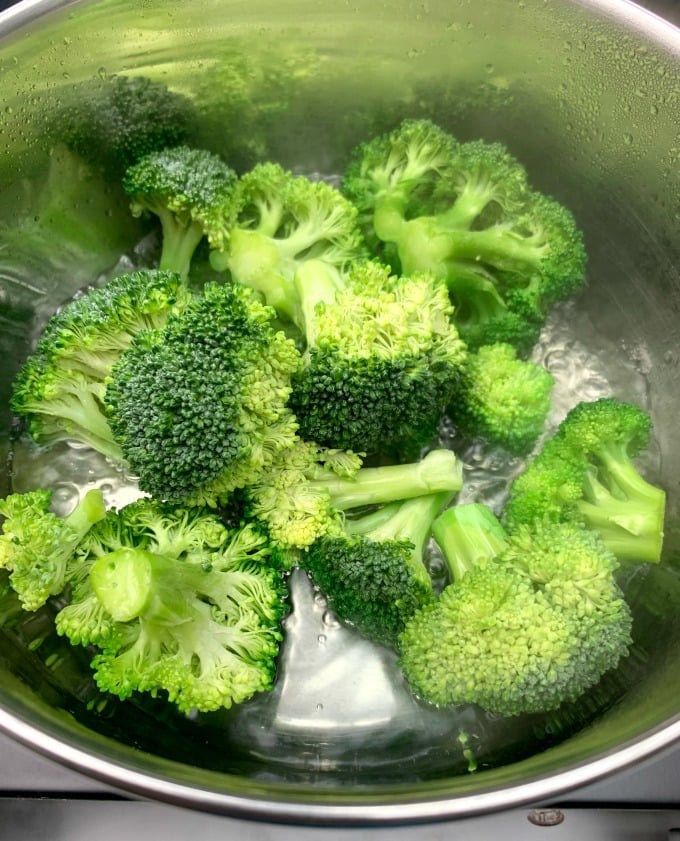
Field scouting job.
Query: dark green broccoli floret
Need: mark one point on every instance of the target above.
(198, 406)
(502, 399)
(114, 121)
(36, 545)
(585, 474)
(532, 622)
(382, 360)
(285, 221)
(374, 574)
(465, 213)
(59, 391)
(302, 494)
(193, 193)
(177, 603)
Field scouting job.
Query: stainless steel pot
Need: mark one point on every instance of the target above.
(587, 94)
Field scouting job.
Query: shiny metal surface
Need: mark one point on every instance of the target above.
(597, 82)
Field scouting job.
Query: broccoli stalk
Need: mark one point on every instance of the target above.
(531, 619)
(192, 192)
(585, 473)
(374, 574)
(36, 545)
(177, 603)
(303, 494)
(468, 535)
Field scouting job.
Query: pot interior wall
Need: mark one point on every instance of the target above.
(586, 94)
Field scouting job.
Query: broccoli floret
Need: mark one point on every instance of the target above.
(36, 545)
(179, 604)
(382, 360)
(286, 220)
(114, 121)
(502, 399)
(192, 192)
(59, 390)
(585, 474)
(465, 213)
(199, 405)
(522, 630)
(305, 491)
(374, 574)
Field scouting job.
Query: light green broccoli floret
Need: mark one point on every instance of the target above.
(465, 213)
(502, 399)
(585, 473)
(178, 604)
(535, 619)
(36, 545)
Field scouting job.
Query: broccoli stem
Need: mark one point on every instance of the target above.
(254, 260)
(134, 582)
(498, 246)
(468, 535)
(315, 283)
(631, 526)
(470, 202)
(89, 510)
(440, 471)
(180, 241)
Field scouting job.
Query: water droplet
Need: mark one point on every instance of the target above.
(628, 139)
(330, 620)
(319, 708)
(322, 639)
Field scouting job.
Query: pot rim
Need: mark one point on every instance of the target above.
(278, 802)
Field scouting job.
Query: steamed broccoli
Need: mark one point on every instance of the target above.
(59, 390)
(374, 574)
(193, 193)
(284, 222)
(502, 399)
(585, 474)
(534, 620)
(465, 213)
(36, 545)
(302, 495)
(177, 603)
(113, 121)
(382, 360)
(198, 406)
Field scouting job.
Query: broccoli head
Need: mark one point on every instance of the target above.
(382, 360)
(59, 390)
(374, 574)
(284, 221)
(465, 213)
(178, 604)
(192, 192)
(36, 545)
(502, 399)
(585, 473)
(526, 627)
(199, 406)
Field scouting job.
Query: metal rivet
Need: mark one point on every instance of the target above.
(545, 817)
